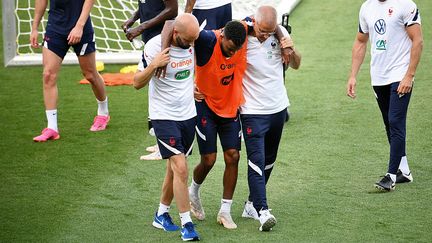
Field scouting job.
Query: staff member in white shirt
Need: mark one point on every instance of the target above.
(265, 109)
(393, 27)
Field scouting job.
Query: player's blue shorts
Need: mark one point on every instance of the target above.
(216, 17)
(174, 137)
(209, 124)
(59, 44)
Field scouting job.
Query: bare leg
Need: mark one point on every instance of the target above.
(88, 69)
(180, 174)
(203, 168)
(231, 157)
(51, 64)
(167, 186)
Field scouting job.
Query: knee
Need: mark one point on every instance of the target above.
(396, 123)
(208, 160)
(182, 173)
(232, 157)
(92, 77)
(49, 77)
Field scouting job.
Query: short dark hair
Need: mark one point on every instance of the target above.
(236, 32)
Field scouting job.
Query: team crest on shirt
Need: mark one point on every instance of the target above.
(227, 79)
(390, 11)
(172, 141)
(143, 1)
(273, 45)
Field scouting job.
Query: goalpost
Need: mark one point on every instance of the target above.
(107, 17)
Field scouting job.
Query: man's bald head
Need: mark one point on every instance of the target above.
(266, 15)
(186, 30)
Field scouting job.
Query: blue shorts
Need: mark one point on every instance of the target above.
(209, 124)
(59, 44)
(174, 137)
(216, 17)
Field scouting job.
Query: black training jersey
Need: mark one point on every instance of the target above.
(149, 9)
(64, 14)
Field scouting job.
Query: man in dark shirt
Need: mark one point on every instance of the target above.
(69, 24)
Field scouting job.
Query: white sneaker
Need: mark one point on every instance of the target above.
(153, 156)
(152, 149)
(249, 211)
(267, 220)
(225, 219)
(196, 206)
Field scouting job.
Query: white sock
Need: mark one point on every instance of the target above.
(103, 107)
(185, 217)
(403, 166)
(226, 205)
(51, 116)
(392, 176)
(162, 209)
(194, 188)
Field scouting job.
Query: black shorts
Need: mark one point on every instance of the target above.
(59, 44)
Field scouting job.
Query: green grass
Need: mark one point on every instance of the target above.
(91, 187)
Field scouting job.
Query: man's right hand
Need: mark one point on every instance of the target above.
(351, 87)
(34, 39)
(161, 59)
(127, 24)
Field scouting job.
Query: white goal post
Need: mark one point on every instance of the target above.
(107, 17)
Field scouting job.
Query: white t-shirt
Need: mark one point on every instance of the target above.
(209, 4)
(390, 45)
(263, 82)
(171, 97)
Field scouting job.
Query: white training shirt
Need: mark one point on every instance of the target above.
(390, 45)
(209, 4)
(171, 97)
(263, 82)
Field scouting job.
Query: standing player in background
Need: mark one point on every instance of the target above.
(172, 111)
(69, 24)
(221, 62)
(264, 112)
(152, 15)
(396, 45)
(216, 13)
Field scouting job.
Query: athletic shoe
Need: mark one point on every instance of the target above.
(47, 134)
(196, 206)
(99, 123)
(225, 219)
(188, 232)
(403, 178)
(385, 184)
(153, 156)
(152, 149)
(249, 211)
(267, 220)
(164, 222)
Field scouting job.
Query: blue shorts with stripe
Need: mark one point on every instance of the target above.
(209, 124)
(174, 137)
(59, 44)
(216, 17)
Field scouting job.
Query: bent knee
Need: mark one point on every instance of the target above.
(232, 156)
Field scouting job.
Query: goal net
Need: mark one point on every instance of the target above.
(107, 17)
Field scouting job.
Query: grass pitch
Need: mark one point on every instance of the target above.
(91, 187)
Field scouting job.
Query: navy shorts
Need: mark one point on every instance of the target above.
(216, 17)
(209, 124)
(174, 137)
(59, 44)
